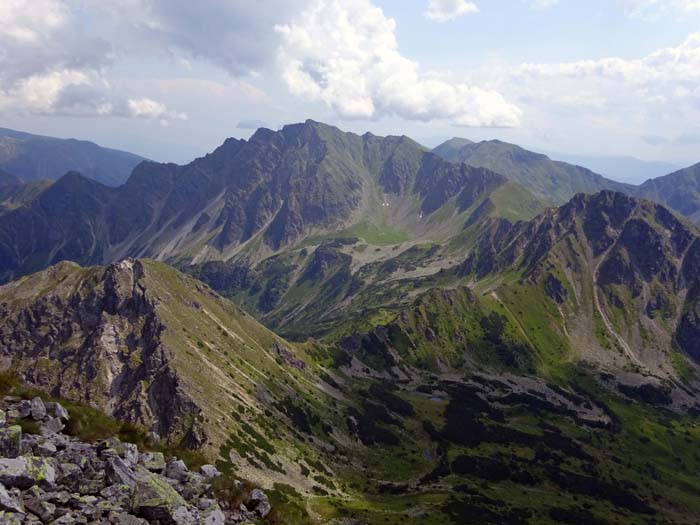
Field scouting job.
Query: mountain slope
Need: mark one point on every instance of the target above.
(548, 179)
(35, 157)
(249, 200)
(619, 275)
(680, 191)
(149, 345)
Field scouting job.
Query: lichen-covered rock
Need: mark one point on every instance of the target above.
(154, 498)
(59, 480)
(27, 471)
(118, 472)
(10, 441)
(153, 461)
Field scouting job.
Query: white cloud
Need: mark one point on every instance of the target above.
(444, 10)
(152, 109)
(650, 9)
(673, 66)
(50, 66)
(360, 73)
(543, 4)
(611, 97)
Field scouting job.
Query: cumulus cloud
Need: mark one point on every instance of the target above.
(360, 73)
(444, 10)
(236, 35)
(50, 66)
(675, 67)
(653, 95)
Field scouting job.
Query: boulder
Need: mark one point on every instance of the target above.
(45, 510)
(24, 409)
(10, 441)
(118, 495)
(210, 471)
(212, 516)
(153, 461)
(185, 516)
(58, 411)
(118, 472)
(52, 425)
(259, 503)
(26, 471)
(46, 448)
(38, 409)
(9, 502)
(176, 470)
(154, 499)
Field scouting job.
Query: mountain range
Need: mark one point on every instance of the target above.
(378, 332)
(36, 157)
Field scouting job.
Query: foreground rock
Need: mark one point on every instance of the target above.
(54, 478)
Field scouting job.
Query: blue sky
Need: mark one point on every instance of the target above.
(172, 79)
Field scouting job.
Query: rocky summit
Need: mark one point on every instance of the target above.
(49, 477)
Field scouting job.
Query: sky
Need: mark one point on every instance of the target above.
(171, 79)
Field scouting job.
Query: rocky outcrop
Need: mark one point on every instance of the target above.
(102, 343)
(50, 477)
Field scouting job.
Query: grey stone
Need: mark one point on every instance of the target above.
(177, 470)
(53, 425)
(69, 475)
(38, 409)
(129, 453)
(3, 418)
(45, 510)
(213, 516)
(153, 461)
(154, 499)
(11, 518)
(259, 503)
(210, 471)
(57, 410)
(118, 495)
(117, 471)
(27, 471)
(8, 502)
(59, 498)
(185, 516)
(46, 448)
(24, 408)
(10, 441)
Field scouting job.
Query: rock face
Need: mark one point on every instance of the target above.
(113, 337)
(60, 480)
(629, 263)
(106, 335)
(276, 189)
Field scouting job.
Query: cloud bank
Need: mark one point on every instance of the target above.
(360, 73)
